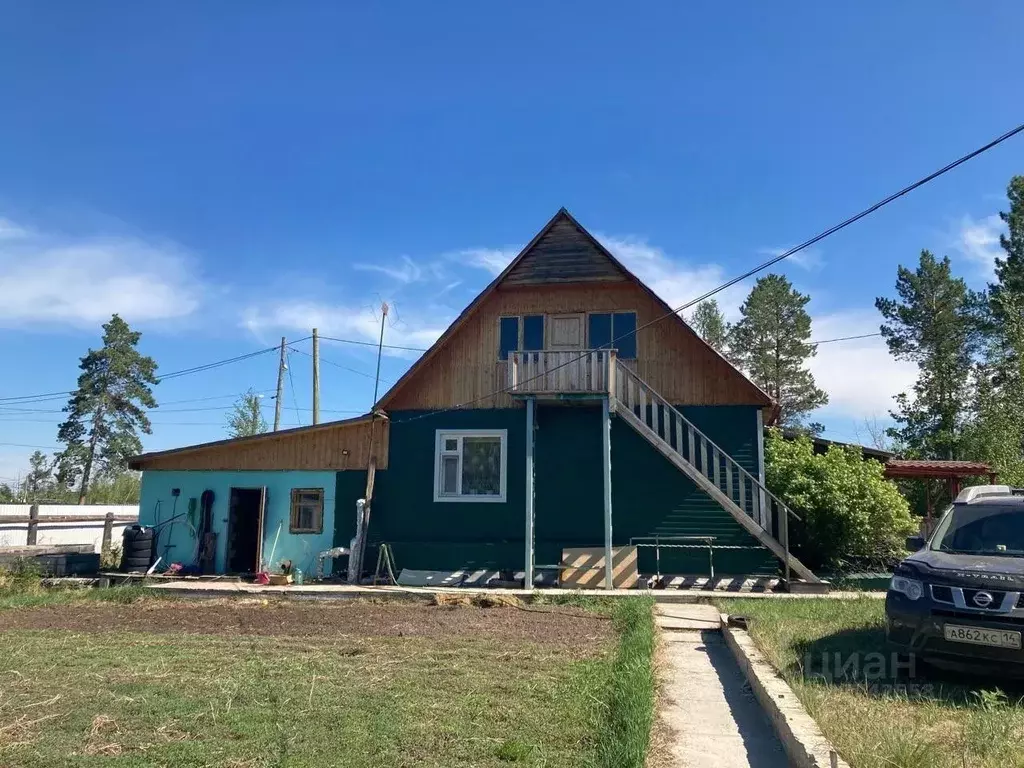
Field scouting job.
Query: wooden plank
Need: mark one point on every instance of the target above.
(716, 461)
(584, 568)
(743, 492)
(691, 457)
(62, 519)
(728, 479)
(703, 457)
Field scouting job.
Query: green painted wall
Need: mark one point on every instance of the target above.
(649, 494)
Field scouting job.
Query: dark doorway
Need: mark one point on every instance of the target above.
(245, 529)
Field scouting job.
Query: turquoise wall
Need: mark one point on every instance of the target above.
(649, 495)
(157, 504)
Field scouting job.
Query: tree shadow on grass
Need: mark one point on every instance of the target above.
(860, 658)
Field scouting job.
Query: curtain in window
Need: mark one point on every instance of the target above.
(481, 466)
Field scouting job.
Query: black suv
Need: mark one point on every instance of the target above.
(957, 602)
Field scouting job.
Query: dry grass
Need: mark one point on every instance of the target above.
(918, 719)
(70, 697)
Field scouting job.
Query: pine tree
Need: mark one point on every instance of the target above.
(39, 479)
(709, 322)
(770, 342)
(107, 411)
(996, 433)
(935, 324)
(247, 417)
(1010, 271)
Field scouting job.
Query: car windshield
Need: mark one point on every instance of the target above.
(981, 529)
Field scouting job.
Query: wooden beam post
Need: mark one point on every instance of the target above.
(528, 568)
(108, 534)
(606, 451)
(316, 377)
(33, 525)
(280, 388)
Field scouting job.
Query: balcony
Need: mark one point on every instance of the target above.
(554, 373)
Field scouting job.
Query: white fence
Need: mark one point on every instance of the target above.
(62, 528)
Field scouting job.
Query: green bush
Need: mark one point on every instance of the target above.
(850, 511)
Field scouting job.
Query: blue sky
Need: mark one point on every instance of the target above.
(223, 175)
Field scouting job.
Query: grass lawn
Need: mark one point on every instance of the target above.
(112, 678)
(921, 719)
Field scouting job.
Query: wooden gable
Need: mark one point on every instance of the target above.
(564, 270)
(564, 253)
(332, 446)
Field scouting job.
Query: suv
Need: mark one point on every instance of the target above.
(956, 602)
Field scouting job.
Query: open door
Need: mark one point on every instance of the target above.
(245, 530)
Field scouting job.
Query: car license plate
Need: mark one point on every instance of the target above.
(997, 638)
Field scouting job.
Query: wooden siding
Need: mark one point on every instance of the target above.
(563, 254)
(670, 357)
(319, 448)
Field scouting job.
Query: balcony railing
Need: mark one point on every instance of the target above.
(555, 372)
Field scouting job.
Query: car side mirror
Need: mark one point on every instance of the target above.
(915, 543)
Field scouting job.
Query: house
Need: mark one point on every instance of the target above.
(566, 406)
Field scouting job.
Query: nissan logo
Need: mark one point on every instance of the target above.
(983, 599)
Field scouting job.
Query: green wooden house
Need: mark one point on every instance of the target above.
(567, 406)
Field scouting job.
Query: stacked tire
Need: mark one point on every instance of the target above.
(137, 549)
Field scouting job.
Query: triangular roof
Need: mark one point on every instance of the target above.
(508, 275)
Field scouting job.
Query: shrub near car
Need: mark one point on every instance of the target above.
(956, 602)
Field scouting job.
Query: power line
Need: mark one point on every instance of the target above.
(749, 273)
(846, 338)
(25, 445)
(167, 376)
(372, 344)
(339, 365)
(291, 385)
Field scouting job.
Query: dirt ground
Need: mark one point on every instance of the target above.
(562, 627)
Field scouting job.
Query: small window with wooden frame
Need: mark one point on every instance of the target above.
(307, 511)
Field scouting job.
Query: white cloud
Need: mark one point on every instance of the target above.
(493, 260)
(11, 231)
(53, 280)
(978, 240)
(345, 322)
(675, 281)
(406, 272)
(860, 375)
(807, 259)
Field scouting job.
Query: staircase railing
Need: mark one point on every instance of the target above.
(681, 436)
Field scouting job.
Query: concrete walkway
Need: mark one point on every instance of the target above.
(714, 720)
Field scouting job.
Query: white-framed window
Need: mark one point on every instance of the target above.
(470, 464)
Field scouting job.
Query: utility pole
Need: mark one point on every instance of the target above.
(363, 523)
(316, 377)
(280, 387)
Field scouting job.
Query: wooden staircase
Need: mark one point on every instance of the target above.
(737, 491)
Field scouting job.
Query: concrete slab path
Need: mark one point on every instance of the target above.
(714, 718)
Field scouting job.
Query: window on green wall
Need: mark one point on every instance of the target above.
(470, 465)
(307, 513)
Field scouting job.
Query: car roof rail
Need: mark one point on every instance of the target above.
(975, 492)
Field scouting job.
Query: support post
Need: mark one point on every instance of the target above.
(280, 387)
(528, 568)
(316, 377)
(606, 451)
(108, 534)
(356, 547)
(764, 513)
(33, 525)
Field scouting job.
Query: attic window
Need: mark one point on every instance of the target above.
(604, 328)
(517, 333)
(307, 511)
